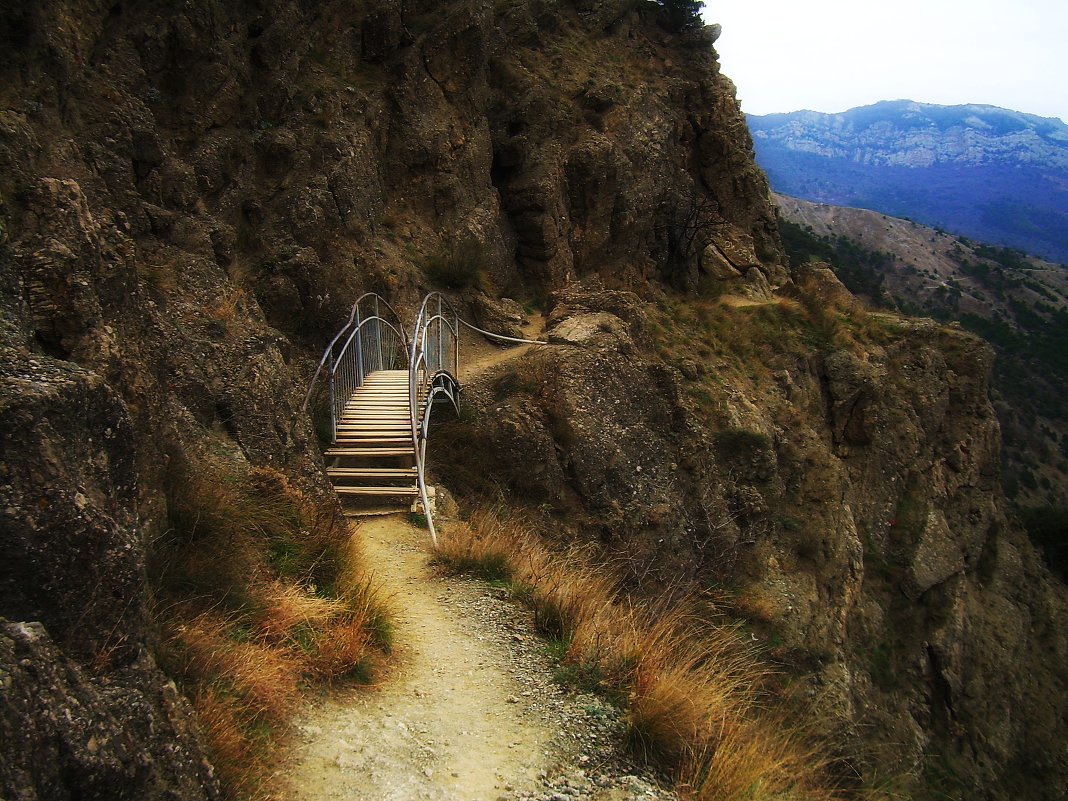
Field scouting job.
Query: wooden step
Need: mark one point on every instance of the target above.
(397, 423)
(376, 490)
(406, 473)
(348, 434)
(378, 442)
(393, 429)
(360, 425)
(374, 424)
(378, 446)
(372, 433)
(369, 452)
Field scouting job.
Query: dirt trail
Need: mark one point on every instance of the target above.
(470, 711)
(477, 354)
(446, 725)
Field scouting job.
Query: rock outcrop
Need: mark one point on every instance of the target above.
(850, 499)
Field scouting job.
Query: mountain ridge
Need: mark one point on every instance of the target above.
(992, 174)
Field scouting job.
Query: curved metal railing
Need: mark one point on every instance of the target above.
(433, 367)
(367, 342)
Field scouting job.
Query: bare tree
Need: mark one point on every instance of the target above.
(689, 218)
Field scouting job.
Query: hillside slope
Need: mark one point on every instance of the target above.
(1019, 304)
(988, 173)
(191, 196)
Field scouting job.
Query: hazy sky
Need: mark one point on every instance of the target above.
(830, 55)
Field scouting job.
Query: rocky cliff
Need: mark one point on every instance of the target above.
(1018, 303)
(192, 195)
(828, 476)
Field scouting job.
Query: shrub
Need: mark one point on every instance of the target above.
(1047, 526)
(736, 444)
(682, 14)
(460, 266)
(257, 590)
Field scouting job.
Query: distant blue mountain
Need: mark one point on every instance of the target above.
(988, 173)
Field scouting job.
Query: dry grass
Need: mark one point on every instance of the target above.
(693, 693)
(226, 308)
(259, 593)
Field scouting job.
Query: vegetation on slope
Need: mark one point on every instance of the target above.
(259, 594)
(1030, 376)
(693, 691)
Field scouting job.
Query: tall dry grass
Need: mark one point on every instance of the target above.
(693, 693)
(259, 593)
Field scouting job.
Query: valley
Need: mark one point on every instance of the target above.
(991, 174)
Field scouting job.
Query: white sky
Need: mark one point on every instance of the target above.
(831, 55)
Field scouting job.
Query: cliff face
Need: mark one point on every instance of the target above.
(1020, 304)
(830, 477)
(193, 193)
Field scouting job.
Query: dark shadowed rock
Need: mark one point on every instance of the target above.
(70, 732)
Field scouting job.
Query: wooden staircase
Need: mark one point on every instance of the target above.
(374, 455)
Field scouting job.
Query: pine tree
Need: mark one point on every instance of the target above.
(683, 13)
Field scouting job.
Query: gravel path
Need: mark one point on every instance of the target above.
(471, 710)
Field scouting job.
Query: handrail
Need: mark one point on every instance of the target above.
(369, 342)
(349, 366)
(433, 337)
(502, 337)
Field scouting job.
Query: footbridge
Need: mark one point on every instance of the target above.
(377, 383)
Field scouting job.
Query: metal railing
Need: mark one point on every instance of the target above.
(366, 343)
(433, 367)
(369, 341)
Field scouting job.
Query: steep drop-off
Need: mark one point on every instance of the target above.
(1016, 302)
(193, 193)
(828, 475)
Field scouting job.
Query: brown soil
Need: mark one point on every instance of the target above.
(477, 354)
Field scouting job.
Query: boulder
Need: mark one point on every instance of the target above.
(937, 556)
(498, 316)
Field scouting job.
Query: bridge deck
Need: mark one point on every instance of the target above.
(374, 454)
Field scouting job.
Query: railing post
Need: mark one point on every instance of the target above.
(359, 348)
(379, 360)
(333, 410)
